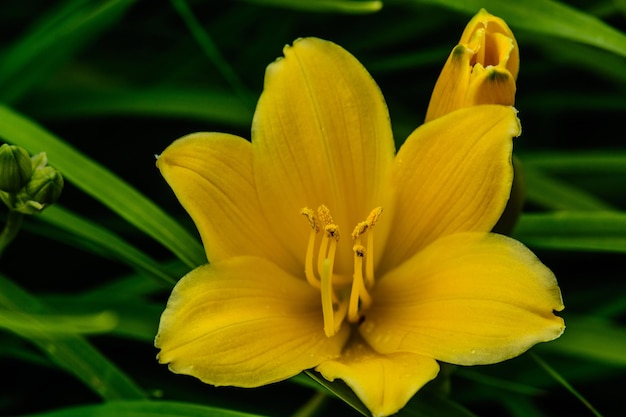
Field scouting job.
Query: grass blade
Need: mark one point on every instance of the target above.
(332, 6)
(70, 352)
(107, 243)
(546, 17)
(143, 409)
(103, 185)
(58, 35)
(586, 231)
(554, 374)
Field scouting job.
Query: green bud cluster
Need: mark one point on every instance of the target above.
(27, 184)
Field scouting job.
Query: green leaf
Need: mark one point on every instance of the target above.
(341, 391)
(585, 231)
(143, 409)
(591, 338)
(553, 194)
(603, 162)
(103, 185)
(545, 17)
(106, 242)
(333, 6)
(70, 352)
(32, 324)
(52, 41)
(163, 102)
(561, 380)
(135, 318)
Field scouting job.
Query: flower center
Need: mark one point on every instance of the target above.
(342, 298)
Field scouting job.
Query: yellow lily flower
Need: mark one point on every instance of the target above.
(481, 69)
(330, 251)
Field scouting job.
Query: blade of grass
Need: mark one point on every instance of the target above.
(143, 409)
(612, 162)
(331, 6)
(591, 338)
(545, 17)
(56, 37)
(136, 318)
(103, 185)
(30, 325)
(202, 105)
(554, 374)
(586, 231)
(212, 52)
(557, 195)
(70, 352)
(341, 391)
(106, 242)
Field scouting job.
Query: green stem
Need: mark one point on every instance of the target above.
(11, 228)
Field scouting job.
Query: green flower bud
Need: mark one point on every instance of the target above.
(39, 161)
(15, 168)
(43, 189)
(45, 186)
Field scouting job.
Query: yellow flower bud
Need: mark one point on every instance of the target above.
(15, 168)
(481, 69)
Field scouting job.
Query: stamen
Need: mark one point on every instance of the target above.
(331, 234)
(308, 263)
(369, 260)
(358, 291)
(330, 329)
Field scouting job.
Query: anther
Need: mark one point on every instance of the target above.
(373, 216)
(332, 231)
(360, 229)
(324, 215)
(310, 217)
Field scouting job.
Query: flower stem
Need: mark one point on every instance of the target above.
(11, 228)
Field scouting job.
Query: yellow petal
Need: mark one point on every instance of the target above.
(244, 322)
(451, 86)
(211, 175)
(491, 86)
(321, 135)
(453, 174)
(384, 383)
(467, 299)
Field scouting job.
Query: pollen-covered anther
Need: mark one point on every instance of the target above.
(332, 231)
(373, 217)
(310, 217)
(360, 229)
(324, 215)
(359, 250)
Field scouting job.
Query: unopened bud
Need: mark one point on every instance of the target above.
(45, 186)
(15, 168)
(43, 189)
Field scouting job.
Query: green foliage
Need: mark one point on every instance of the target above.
(101, 86)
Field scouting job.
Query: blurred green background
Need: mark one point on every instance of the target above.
(103, 86)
